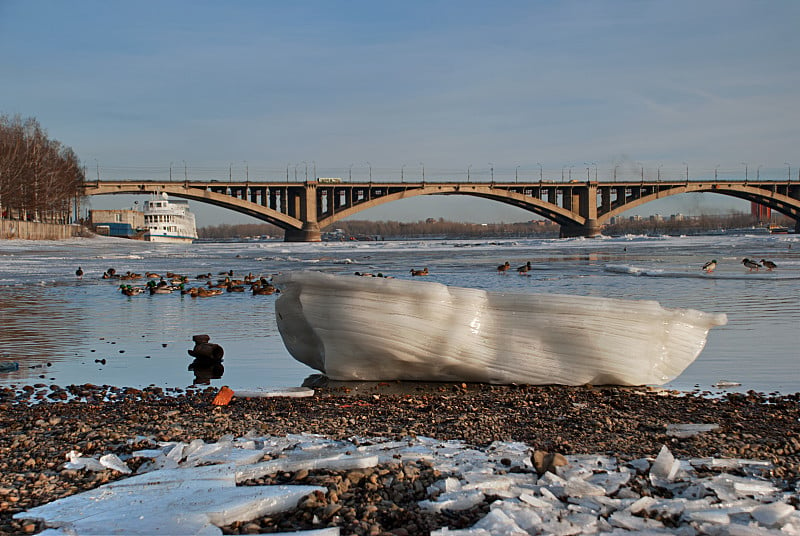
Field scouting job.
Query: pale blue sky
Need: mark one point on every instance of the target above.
(133, 86)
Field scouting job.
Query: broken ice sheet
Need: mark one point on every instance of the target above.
(585, 502)
(684, 430)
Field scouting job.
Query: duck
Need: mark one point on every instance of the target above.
(264, 290)
(128, 290)
(769, 265)
(524, 268)
(504, 267)
(232, 287)
(79, 272)
(204, 292)
(710, 266)
(424, 271)
(752, 265)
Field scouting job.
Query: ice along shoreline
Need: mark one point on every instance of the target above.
(628, 424)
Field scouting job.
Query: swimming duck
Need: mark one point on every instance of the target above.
(710, 266)
(79, 272)
(264, 290)
(424, 271)
(769, 265)
(204, 292)
(524, 268)
(752, 265)
(504, 267)
(128, 290)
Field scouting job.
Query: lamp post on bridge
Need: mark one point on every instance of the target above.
(246, 171)
(758, 172)
(516, 174)
(715, 172)
(295, 172)
(97, 164)
(230, 171)
(570, 173)
(562, 172)
(658, 173)
(402, 178)
(370, 171)
(491, 169)
(287, 172)
(745, 171)
(306, 164)
(687, 171)
(423, 171)
(468, 168)
(789, 173)
(350, 175)
(615, 172)
(185, 171)
(540, 171)
(170, 172)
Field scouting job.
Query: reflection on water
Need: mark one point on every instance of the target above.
(205, 371)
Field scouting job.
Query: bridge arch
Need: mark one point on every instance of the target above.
(535, 205)
(241, 206)
(755, 193)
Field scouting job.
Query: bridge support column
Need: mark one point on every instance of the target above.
(309, 233)
(589, 230)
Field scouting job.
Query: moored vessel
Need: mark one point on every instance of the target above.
(167, 220)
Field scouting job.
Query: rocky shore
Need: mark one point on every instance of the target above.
(43, 423)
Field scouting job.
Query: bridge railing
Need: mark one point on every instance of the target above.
(625, 172)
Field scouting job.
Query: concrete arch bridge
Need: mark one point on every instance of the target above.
(581, 208)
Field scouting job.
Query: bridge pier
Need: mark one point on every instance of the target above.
(589, 230)
(309, 233)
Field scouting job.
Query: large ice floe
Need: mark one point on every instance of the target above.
(193, 489)
(364, 328)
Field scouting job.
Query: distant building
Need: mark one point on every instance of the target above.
(119, 223)
(759, 212)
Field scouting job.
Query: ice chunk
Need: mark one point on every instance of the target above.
(665, 466)
(432, 332)
(729, 487)
(179, 501)
(772, 514)
(112, 461)
(685, 430)
(78, 461)
(457, 500)
(498, 522)
(627, 521)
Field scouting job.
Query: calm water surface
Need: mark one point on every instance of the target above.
(59, 328)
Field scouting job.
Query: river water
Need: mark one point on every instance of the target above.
(64, 330)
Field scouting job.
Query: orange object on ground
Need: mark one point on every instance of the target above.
(224, 396)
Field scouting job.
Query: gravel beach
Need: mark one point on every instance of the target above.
(43, 423)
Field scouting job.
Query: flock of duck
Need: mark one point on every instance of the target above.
(750, 264)
(171, 282)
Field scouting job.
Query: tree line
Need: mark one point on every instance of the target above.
(370, 230)
(40, 178)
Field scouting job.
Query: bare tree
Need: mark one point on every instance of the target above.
(39, 177)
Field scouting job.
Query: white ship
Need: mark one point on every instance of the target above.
(168, 220)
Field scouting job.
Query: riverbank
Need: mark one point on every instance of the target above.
(627, 423)
(33, 230)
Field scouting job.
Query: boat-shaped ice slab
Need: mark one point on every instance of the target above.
(365, 328)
